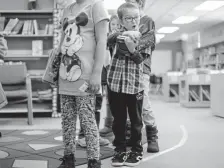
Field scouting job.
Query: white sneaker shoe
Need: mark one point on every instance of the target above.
(103, 142)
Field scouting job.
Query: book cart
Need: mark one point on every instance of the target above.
(30, 35)
(171, 86)
(195, 90)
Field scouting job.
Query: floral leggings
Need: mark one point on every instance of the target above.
(84, 106)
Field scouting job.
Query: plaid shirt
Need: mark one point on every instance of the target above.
(125, 73)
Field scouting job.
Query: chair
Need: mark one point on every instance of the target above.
(155, 84)
(17, 86)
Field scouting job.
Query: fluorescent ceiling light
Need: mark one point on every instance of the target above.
(209, 5)
(185, 19)
(113, 4)
(167, 29)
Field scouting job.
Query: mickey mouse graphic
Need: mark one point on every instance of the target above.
(71, 66)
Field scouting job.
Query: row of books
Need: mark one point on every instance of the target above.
(193, 96)
(24, 27)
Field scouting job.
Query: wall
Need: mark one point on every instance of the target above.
(174, 47)
(212, 35)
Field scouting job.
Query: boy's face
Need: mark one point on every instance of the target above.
(131, 19)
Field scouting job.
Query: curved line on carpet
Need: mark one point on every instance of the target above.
(180, 144)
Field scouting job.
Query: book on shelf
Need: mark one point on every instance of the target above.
(173, 93)
(2, 23)
(37, 47)
(18, 27)
(10, 25)
(36, 29)
(206, 94)
(46, 29)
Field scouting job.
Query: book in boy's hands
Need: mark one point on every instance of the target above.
(125, 43)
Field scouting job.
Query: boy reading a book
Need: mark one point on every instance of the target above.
(125, 85)
(147, 27)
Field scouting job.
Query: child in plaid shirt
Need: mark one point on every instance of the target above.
(125, 84)
(147, 25)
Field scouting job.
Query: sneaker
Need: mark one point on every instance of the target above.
(82, 142)
(106, 132)
(152, 139)
(103, 142)
(133, 159)
(93, 163)
(119, 159)
(153, 146)
(68, 161)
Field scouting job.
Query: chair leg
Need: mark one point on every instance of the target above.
(30, 101)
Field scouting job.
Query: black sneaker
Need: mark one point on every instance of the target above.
(68, 161)
(119, 159)
(133, 159)
(93, 163)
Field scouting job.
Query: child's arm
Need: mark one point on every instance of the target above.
(139, 57)
(148, 38)
(111, 40)
(100, 17)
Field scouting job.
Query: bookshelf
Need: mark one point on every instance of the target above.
(195, 90)
(211, 56)
(171, 86)
(35, 26)
(217, 93)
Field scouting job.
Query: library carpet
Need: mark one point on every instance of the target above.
(39, 148)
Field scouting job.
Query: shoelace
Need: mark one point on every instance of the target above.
(132, 155)
(118, 155)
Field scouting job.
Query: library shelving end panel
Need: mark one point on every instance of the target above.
(217, 94)
(195, 90)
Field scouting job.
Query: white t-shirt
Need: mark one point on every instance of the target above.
(79, 44)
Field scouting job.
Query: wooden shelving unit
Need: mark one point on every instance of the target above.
(195, 90)
(171, 86)
(20, 49)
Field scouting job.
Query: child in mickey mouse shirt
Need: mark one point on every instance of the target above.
(82, 51)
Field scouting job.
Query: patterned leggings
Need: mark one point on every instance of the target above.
(84, 106)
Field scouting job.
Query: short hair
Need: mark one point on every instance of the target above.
(141, 1)
(123, 7)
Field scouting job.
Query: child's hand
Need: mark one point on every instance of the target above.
(134, 35)
(131, 45)
(94, 83)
